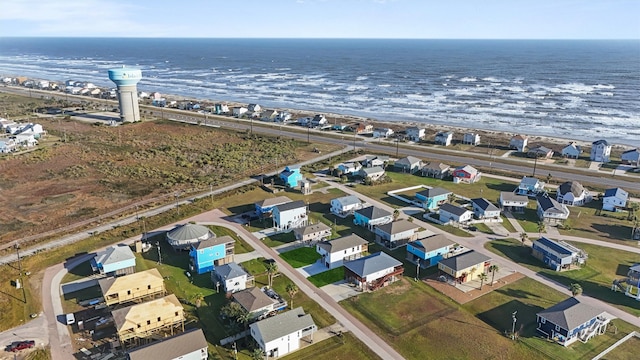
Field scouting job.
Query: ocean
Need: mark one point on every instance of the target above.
(574, 89)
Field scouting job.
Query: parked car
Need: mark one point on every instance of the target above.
(21, 345)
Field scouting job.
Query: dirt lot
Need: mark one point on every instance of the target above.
(80, 171)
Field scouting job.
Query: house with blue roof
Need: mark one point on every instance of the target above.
(291, 176)
(432, 198)
(429, 251)
(206, 255)
(558, 255)
(373, 271)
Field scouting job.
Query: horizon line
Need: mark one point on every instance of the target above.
(312, 38)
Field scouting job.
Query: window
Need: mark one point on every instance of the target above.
(176, 313)
(139, 326)
(148, 287)
(557, 327)
(543, 320)
(148, 322)
(128, 292)
(158, 318)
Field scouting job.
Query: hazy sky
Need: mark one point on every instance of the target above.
(429, 19)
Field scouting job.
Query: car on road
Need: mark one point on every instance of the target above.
(21, 345)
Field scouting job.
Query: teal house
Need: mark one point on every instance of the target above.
(432, 198)
(428, 251)
(290, 176)
(206, 255)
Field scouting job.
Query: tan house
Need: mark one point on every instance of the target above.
(136, 287)
(465, 267)
(313, 232)
(144, 320)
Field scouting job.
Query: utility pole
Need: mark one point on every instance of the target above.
(418, 269)
(535, 162)
(397, 147)
(159, 254)
(513, 328)
(177, 204)
(308, 134)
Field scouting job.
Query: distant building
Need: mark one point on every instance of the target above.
(466, 175)
(631, 157)
(518, 142)
(530, 186)
(471, 139)
(408, 164)
(382, 133)
(436, 170)
(444, 138)
(600, 151)
(571, 151)
(291, 176)
(614, 199)
(415, 134)
(540, 152)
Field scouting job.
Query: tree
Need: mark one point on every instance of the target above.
(451, 198)
(483, 277)
(197, 299)
(494, 269)
(257, 354)
(396, 214)
(524, 237)
(292, 290)
(231, 310)
(243, 318)
(272, 269)
(541, 227)
(576, 289)
(549, 176)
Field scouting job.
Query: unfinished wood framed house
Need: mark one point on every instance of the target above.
(138, 287)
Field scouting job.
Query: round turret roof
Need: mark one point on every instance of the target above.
(188, 234)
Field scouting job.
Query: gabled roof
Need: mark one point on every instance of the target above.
(572, 145)
(573, 187)
(253, 299)
(373, 212)
(509, 196)
(433, 192)
(372, 170)
(529, 181)
(409, 160)
(444, 133)
(229, 271)
(465, 260)
(213, 242)
(600, 142)
(139, 312)
(632, 151)
(519, 137)
(452, 209)
(554, 246)
(468, 169)
(484, 204)
(282, 324)
(311, 229)
(343, 243)
(348, 200)
(291, 205)
(616, 192)
(437, 166)
(570, 313)
(109, 284)
(549, 204)
(114, 254)
(273, 201)
(373, 263)
(171, 348)
(432, 243)
(541, 150)
(397, 227)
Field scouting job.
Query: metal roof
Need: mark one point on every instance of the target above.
(433, 192)
(465, 260)
(484, 204)
(291, 205)
(373, 212)
(114, 254)
(189, 233)
(397, 227)
(371, 264)
(431, 243)
(343, 243)
(229, 271)
(452, 209)
(282, 324)
(509, 196)
(273, 201)
(171, 348)
(559, 249)
(348, 200)
(214, 241)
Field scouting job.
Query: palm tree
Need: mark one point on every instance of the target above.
(257, 354)
(541, 227)
(576, 289)
(524, 237)
(549, 176)
(272, 269)
(396, 214)
(494, 269)
(292, 290)
(197, 299)
(483, 277)
(243, 318)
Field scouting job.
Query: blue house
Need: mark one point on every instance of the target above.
(429, 251)
(291, 175)
(432, 198)
(114, 261)
(372, 216)
(206, 255)
(557, 255)
(571, 320)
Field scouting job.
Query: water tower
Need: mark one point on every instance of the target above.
(126, 80)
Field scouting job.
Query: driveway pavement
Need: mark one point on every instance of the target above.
(313, 269)
(340, 290)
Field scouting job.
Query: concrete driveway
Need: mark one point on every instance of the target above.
(340, 290)
(313, 269)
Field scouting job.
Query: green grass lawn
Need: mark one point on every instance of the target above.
(70, 301)
(626, 350)
(602, 267)
(279, 239)
(418, 321)
(507, 225)
(612, 227)
(301, 256)
(529, 219)
(528, 297)
(79, 272)
(346, 347)
(240, 246)
(483, 228)
(327, 277)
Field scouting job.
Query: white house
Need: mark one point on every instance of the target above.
(614, 199)
(449, 212)
(551, 211)
(281, 334)
(7, 145)
(319, 120)
(373, 173)
(345, 205)
(312, 232)
(512, 202)
(415, 133)
(335, 252)
(349, 167)
(373, 271)
(189, 345)
(382, 132)
(572, 193)
(290, 215)
(483, 209)
(518, 142)
(231, 277)
(530, 186)
(572, 151)
(27, 140)
(238, 111)
(471, 139)
(600, 151)
(374, 160)
(253, 108)
(396, 233)
(631, 157)
(269, 115)
(444, 138)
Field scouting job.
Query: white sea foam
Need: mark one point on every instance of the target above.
(468, 79)
(361, 78)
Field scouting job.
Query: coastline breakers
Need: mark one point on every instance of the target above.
(579, 90)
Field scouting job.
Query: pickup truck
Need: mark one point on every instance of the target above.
(21, 345)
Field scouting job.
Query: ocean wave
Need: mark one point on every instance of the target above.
(468, 79)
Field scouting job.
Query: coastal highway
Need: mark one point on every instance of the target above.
(583, 176)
